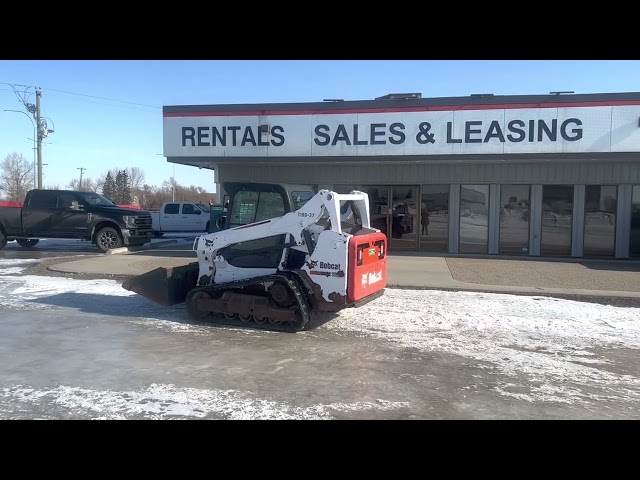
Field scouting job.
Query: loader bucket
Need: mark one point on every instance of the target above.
(165, 286)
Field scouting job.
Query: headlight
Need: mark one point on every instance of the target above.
(128, 220)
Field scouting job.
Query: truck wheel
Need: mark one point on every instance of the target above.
(3, 240)
(108, 238)
(27, 242)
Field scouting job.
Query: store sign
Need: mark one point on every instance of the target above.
(517, 130)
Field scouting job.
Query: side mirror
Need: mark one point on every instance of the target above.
(220, 221)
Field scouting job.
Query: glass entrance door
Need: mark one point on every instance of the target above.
(404, 220)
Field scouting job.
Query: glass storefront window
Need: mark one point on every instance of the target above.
(474, 218)
(434, 218)
(634, 241)
(514, 219)
(600, 205)
(557, 220)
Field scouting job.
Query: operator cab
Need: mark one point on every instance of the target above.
(246, 203)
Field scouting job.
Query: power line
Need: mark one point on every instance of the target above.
(101, 98)
(85, 95)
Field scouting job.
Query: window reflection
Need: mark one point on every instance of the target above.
(557, 220)
(600, 204)
(434, 218)
(634, 244)
(514, 219)
(474, 218)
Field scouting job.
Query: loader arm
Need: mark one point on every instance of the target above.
(294, 224)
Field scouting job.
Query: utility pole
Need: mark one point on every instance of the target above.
(39, 137)
(41, 128)
(82, 169)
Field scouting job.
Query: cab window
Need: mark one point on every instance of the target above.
(43, 200)
(189, 209)
(251, 207)
(171, 209)
(65, 200)
(298, 199)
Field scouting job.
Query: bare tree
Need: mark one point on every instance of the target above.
(51, 187)
(136, 178)
(16, 178)
(88, 185)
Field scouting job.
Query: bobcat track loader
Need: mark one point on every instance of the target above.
(275, 273)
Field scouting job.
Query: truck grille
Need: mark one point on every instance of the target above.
(143, 222)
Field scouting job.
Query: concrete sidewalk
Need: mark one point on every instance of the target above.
(592, 278)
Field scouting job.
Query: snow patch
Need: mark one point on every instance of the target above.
(15, 266)
(34, 286)
(550, 341)
(170, 402)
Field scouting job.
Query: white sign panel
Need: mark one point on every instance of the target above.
(495, 131)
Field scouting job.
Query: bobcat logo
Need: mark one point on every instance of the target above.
(371, 278)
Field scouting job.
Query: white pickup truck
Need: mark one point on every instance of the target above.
(180, 217)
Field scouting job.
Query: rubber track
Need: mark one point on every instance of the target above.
(290, 279)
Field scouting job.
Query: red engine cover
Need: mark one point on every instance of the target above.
(367, 265)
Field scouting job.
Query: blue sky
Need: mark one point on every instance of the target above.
(103, 133)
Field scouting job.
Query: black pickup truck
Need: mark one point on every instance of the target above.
(71, 214)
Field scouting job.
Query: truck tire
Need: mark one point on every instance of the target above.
(3, 240)
(27, 242)
(108, 238)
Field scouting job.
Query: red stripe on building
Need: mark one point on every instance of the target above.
(425, 108)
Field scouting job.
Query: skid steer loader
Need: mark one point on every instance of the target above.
(281, 256)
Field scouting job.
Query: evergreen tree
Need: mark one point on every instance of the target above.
(126, 197)
(117, 194)
(109, 187)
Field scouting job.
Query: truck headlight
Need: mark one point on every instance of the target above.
(129, 221)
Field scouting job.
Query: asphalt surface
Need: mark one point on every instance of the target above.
(83, 355)
(49, 248)
(70, 350)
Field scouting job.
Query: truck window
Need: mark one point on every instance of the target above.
(65, 199)
(171, 208)
(188, 209)
(43, 200)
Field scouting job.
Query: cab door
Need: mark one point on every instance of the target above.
(192, 219)
(70, 216)
(38, 214)
(170, 218)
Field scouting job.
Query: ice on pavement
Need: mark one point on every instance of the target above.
(556, 344)
(168, 401)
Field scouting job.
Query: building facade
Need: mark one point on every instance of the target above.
(543, 175)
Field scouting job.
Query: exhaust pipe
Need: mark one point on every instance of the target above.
(165, 286)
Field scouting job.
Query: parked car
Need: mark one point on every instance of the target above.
(181, 217)
(72, 214)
